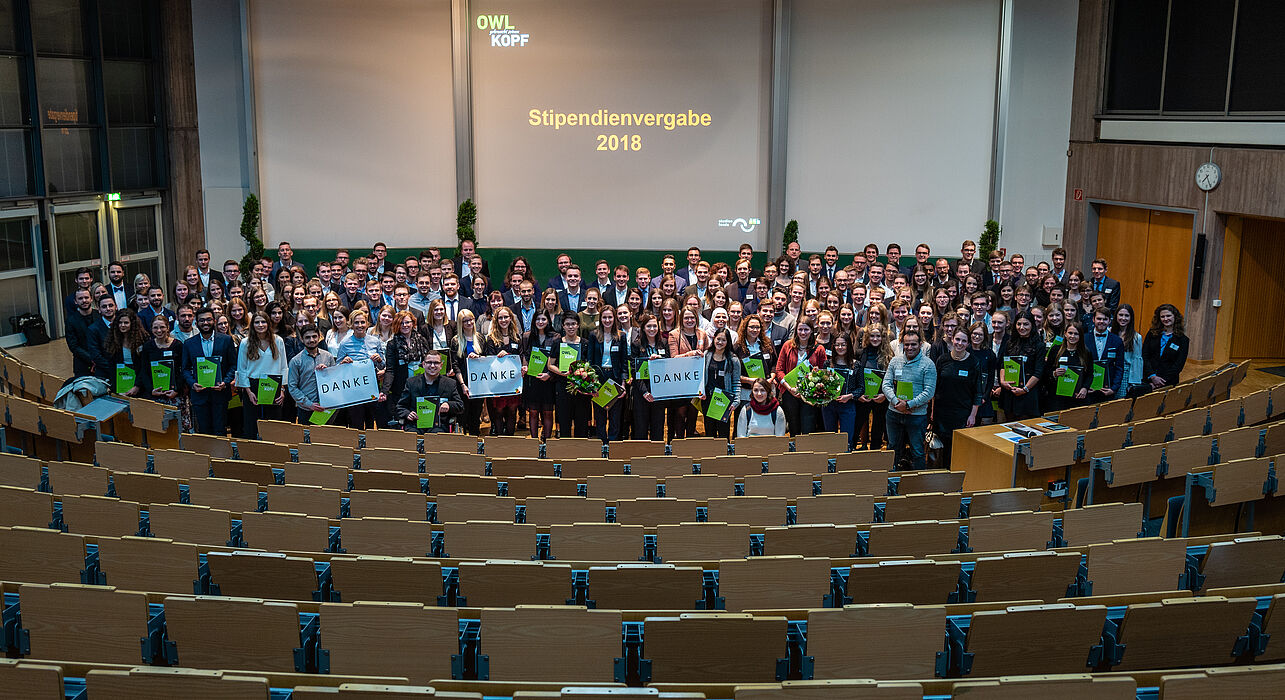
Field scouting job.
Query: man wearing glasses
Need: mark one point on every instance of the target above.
(430, 394)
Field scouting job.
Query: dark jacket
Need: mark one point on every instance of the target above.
(619, 353)
(1166, 362)
(82, 352)
(225, 351)
(444, 389)
(172, 356)
(1112, 356)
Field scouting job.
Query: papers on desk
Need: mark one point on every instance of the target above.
(1051, 427)
(1011, 437)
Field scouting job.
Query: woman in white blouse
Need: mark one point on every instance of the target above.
(261, 374)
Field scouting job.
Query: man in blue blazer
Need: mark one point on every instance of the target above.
(1099, 282)
(210, 404)
(1107, 349)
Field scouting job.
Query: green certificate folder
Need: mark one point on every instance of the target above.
(874, 383)
(207, 373)
(607, 393)
(162, 375)
(321, 417)
(1066, 383)
(567, 355)
(642, 371)
(753, 368)
(267, 391)
(537, 363)
(792, 377)
(425, 413)
(905, 390)
(718, 405)
(1099, 379)
(125, 378)
(1012, 371)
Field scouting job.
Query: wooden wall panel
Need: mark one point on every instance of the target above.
(1260, 291)
(184, 207)
(1090, 45)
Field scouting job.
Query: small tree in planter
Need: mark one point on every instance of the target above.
(989, 240)
(250, 232)
(791, 234)
(464, 220)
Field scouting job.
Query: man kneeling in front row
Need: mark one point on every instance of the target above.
(430, 402)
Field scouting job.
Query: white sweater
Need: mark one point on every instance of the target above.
(751, 423)
(265, 366)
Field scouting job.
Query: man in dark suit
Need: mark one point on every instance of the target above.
(467, 250)
(97, 332)
(524, 308)
(209, 404)
(443, 391)
(204, 271)
(572, 297)
(84, 278)
(559, 281)
(693, 259)
(777, 332)
(1099, 282)
(1107, 349)
(615, 295)
(77, 326)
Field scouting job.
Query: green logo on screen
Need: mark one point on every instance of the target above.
(502, 31)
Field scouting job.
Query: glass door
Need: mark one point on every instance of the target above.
(20, 273)
(136, 238)
(78, 235)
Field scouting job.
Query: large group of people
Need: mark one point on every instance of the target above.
(919, 342)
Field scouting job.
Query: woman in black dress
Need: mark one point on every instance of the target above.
(1023, 352)
(1071, 363)
(162, 356)
(1164, 351)
(403, 355)
(649, 414)
(537, 390)
(876, 353)
(979, 344)
(960, 391)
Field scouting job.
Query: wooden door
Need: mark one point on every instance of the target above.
(1168, 266)
(1149, 252)
(1122, 242)
(1260, 291)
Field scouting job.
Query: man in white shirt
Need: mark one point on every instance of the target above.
(450, 296)
(831, 262)
(116, 284)
(203, 269)
(572, 296)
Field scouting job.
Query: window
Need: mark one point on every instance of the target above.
(1174, 57)
(58, 27)
(1137, 56)
(15, 245)
(1259, 71)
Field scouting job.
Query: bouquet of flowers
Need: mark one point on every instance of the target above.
(819, 385)
(582, 378)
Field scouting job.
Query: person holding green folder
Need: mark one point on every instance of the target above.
(209, 367)
(909, 386)
(538, 384)
(841, 414)
(1072, 371)
(260, 372)
(162, 357)
(799, 350)
(608, 353)
(1021, 364)
(432, 390)
(123, 354)
(1106, 349)
(572, 409)
(722, 395)
(301, 373)
(754, 349)
(649, 414)
(872, 405)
